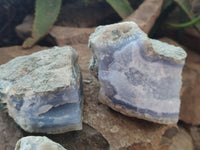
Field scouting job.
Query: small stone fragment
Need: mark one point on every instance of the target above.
(176, 138)
(43, 90)
(37, 143)
(181, 141)
(139, 77)
(87, 80)
(24, 30)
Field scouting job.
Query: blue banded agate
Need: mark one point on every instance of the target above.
(139, 77)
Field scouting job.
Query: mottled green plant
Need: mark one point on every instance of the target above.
(46, 12)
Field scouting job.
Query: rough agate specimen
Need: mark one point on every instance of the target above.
(139, 77)
(37, 143)
(43, 90)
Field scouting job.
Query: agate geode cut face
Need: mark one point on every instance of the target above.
(139, 77)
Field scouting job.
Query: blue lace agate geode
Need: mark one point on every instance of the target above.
(139, 77)
(42, 91)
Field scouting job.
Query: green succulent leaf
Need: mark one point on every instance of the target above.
(29, 42)
(46, 12)
(183, 25)
(122, 7)
(185, 5)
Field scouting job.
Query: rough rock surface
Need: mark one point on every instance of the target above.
(37, 143)
(24, 30)
(121, 132)
(107, 128)
(146, 15)
(139, 77)
(181, 141)
(88, 138)
(42, 91)
(176, 139)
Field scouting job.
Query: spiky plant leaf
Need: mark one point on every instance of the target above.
(46, 12)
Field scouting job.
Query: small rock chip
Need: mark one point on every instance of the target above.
(42, 90)
(87, 80)
(37, 143)
(139, 76)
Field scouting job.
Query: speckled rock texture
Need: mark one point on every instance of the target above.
(103, 128)
(43, 90)
(37, 143)
(139, 77)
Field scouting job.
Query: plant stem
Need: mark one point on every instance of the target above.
(183, 25)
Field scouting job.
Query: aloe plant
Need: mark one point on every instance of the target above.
(46, 12)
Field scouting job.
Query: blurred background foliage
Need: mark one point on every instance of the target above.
(175, 13)
(12, 12)
(46, 13)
